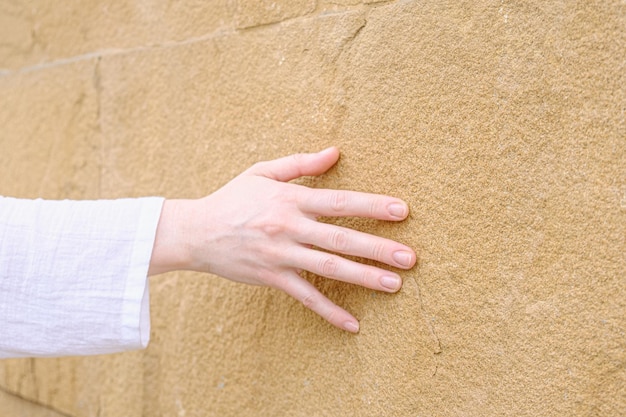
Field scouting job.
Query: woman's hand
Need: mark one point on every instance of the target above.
(261, 230)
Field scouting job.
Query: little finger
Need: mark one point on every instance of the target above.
(335, 267)
(313, 299)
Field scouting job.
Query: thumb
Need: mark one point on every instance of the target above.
(296, 165)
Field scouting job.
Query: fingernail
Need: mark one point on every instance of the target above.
(351, 326)
(402, 257)
(397, 210)
(392, 283)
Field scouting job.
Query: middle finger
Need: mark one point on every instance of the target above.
(354, 243)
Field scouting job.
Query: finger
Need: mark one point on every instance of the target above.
(297, 165)
(307, 294)
(340, 203)
(351, 242)
(335, 267)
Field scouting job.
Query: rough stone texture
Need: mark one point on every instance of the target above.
(12, 406)
(35, 32)
(501, 124)
(49, 139)
(256, 13)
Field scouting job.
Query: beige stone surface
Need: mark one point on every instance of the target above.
(501, 124)
(13, 406)
(35, 32)
(255, 13)
(50, 136)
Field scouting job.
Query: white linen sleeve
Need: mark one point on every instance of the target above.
(73, 275)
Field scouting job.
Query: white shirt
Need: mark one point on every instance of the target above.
(73, 275)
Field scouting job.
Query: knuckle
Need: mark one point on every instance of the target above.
(296, 161)
(309, 300)
(338, 201)
(290, 193)
(272, 229)
(266, 277)
(374, 208)
(339, 240)
(378, 251)
(330, 316)
(328, 266)
(266, 224)
(259, 166)
(263, 169)
(365, 279)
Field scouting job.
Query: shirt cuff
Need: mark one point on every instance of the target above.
(136, 306)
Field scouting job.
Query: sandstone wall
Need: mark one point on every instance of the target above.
(502, 123)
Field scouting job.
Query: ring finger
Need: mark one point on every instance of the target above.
(341, 269)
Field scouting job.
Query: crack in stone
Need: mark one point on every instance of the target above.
(97, 84)
(338, 85)
(437, 348)
(34, 402)
(356, 33)
(313, 13)
(253, 26)
(33, 371)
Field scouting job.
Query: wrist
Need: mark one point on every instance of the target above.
(171, 250)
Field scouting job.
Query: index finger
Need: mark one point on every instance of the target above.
(340, 203)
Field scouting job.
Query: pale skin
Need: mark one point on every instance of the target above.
(260, 229)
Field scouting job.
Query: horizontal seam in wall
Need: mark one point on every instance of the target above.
(111, 52)
(4, 72)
